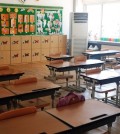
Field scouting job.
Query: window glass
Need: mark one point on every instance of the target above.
(111, 21)
(94, 21)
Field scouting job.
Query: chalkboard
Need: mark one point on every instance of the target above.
(30, 20)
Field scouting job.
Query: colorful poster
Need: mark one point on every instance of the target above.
(13, 23)
(20, 28)
(13, 30)
(5, 23)
(4, 17)
(20, 18)
(5, 31)
(32, 18)
(13, 15)
(32, 28)
(26, 18)
(26, 28)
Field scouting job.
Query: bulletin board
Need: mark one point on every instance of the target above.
(27, 20)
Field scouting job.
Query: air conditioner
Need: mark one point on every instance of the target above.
(79, 33)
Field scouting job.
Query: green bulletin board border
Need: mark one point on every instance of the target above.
(22, 5)
(35, 8)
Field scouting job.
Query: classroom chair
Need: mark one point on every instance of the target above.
(63, 75)
(102, 92)
(17, 112)
(80, 58)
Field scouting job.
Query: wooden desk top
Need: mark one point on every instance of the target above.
(103, 75)
(35, 123)
(9, 72)
(83, 113)
(102, 52)
(59, 56)
(32, 87)
(77, 64)
(4, 93)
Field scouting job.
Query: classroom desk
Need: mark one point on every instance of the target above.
(10, 74)
(104, 77)
(100, 53)
(34, 89)
(87, 115)
(70, 66)
(36, 123)
(5, 97)
(59, 57)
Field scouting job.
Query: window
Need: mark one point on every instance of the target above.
(94, 22)
(104, 22)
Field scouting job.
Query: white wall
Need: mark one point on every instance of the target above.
(66, 4)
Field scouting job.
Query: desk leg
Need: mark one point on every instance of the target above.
(8, 105)
(117, 92)
(52, 97)
(109, 128)
(93, 90)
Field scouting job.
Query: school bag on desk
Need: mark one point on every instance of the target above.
(70, 98)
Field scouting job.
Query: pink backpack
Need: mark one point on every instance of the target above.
(70, 98)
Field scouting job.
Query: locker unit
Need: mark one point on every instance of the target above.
(26, 42)
(54, 44)
(15, 43)
(45, 42)
(45, 47)
(62, 44)
(19, 49)
(4, 43)
(4, 57)
(44, 52)
(36, 55)
(15, 56)
(36, 42)
(26, 56)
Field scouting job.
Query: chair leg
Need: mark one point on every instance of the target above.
(66, 82)
(106, 97)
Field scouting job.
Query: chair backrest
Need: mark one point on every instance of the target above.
(56, 61)
(89, 50)
(18, 112)
(117, 67)
(93, 71)
(25, 80)
(117, 55)
(104, 49)
(4, 67)
(80, 58)
(55, 54)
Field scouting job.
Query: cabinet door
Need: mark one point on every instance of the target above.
(26, 42)
(26, 56)
(45, 42)
(36, 56)
(4, 57)
(63, 44)
(15, 42)
(54, 50)
(54, 41)
(36, 41)
(62, 40)
(16, 56)
(4, 43)
(44, 52)
(62, 50)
